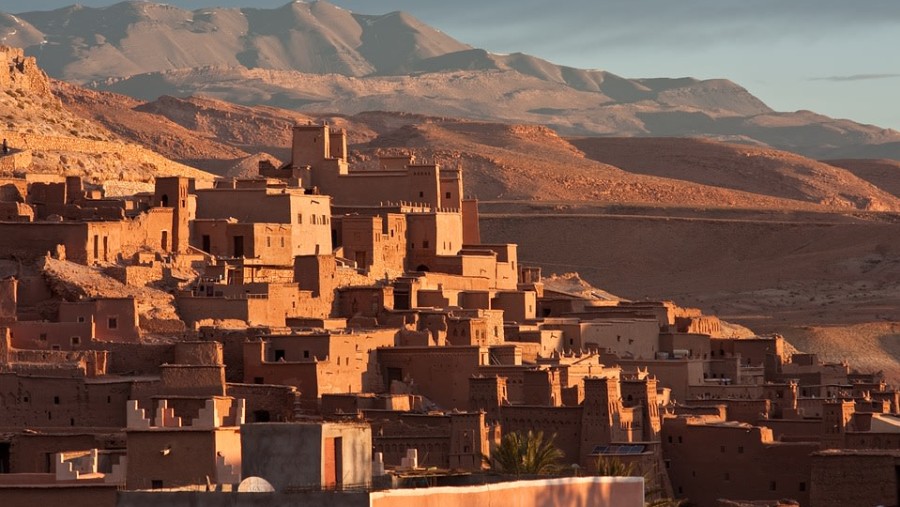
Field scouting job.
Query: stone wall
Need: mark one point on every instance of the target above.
(854, 478)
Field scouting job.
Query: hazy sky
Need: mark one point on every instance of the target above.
(835, 57)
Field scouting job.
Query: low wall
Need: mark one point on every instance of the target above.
(570, 492)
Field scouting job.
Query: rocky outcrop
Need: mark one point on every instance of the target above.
(23, 73)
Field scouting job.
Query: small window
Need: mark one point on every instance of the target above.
(279, 355)
(802, 486)
(113, 323)
(421, 194)
(54, 347)
(306, 354)
(81, 319)
(56, 400)
(425, 244)
(299, 218)
(76, 340)
(258, 380)
(43, 337)
(282, 242)
(109, 399)
(670, 439)
(680, 440)
(268, 241)
(773, 486)
(448, 195)
(156, 484)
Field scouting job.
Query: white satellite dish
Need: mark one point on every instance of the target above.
(255, 485)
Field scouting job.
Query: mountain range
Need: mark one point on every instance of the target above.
(318, 58)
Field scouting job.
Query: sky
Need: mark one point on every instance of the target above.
(835, 57)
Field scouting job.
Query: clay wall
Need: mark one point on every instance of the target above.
(15, 211)
(715, 461)
(517, 306)
(451, 189)
(601, 492)
(191, 456)
(24, 240)
(266, 243)
(309, 216)
(632, 338)
(40, 335)
(471, 227)
(854, 478)
(753, 351)
(548, 341)
(678, 375)
(715, 391)
(562, 422)
(266, 402)
(364, 301)
(71, 495)
(9, 304)
(430, 235)
(749, 411)
(115, 319)
(441, 374)
(696, 345)
(60, 402)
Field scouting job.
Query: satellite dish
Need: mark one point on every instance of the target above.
(255, 485)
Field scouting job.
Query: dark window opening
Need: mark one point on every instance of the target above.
(261, 416)
(4, 458)
(113, 323)
(56, 400)
(238, 246)
(279, 354)
(258, 380)
(156, 484)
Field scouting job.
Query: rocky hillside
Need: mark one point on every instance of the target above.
(502, 161)
(57, 141)
(318, 58)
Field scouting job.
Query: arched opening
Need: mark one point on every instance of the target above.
(422, 268)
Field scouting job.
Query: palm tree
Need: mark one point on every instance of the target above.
(527, 454)
(612, 466)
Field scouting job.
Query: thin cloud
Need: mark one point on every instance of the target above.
(856, 77)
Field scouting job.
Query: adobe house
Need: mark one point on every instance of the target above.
(711, 459)
(308, 218)
(188, 443)
(308, 455)
(318, 362)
